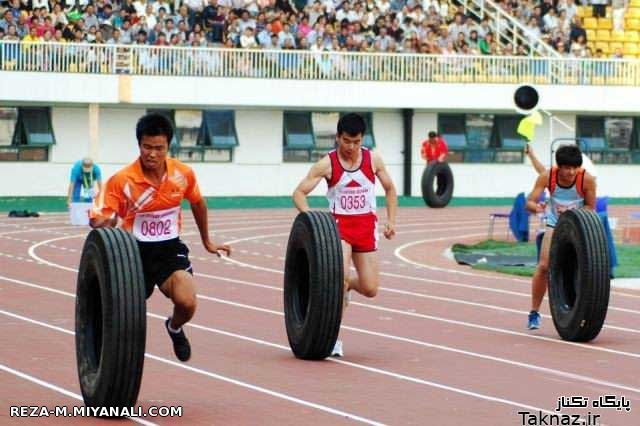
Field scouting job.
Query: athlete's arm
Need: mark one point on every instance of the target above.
(540, 169)
(102, 222)
(322, 169)
(390, 193)
(69, 194)
(589, 188)
(532, 202)
(199, 210)
(445, 151)
(106, 206)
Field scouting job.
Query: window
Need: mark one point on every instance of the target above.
(591, 131)
(479, 128)
(33, 127)
(25, 134)
(187, 124)
(482, 138)
(8, 120)
(610, 140)
(308, 136)
(298, 131)
(506, 132)
(452, 129)
(202, 136)
(618, 132)
(324, 129)
(218, 129)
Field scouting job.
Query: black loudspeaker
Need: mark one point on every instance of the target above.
(526, 99)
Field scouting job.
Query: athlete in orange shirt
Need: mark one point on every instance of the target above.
(146, 196)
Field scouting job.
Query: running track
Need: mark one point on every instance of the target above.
(440, 344)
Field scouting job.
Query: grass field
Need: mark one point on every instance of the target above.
(628, 257)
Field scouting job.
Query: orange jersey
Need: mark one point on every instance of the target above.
(130, 195)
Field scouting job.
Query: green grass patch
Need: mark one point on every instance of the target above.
(628, 257)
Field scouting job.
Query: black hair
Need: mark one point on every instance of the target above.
(352, 124)
(432, 134)
(569, 155)
(154, 124)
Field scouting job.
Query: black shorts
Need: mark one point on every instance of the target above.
(161, 259)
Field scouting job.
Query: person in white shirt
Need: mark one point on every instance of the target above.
(159, 4)
(383, 6)
(285, 35)
(150, 17)
(140, 6)
(37, 4)
(618, 10)
(569, 6)
(248, 40)
(343, 12)
(550, 20)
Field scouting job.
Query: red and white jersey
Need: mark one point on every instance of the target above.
(352, 192)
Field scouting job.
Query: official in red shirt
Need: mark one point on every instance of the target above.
(434, 148)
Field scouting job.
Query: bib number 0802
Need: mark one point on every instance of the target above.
(154, 229)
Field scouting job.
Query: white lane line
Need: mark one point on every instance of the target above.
(528, 366)
(51, 386)
(370, 306)
(293, 399)
(216, 376)
(398, 253)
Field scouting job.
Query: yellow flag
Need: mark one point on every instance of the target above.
(527, 126)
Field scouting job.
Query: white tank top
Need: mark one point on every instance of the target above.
(352, 192)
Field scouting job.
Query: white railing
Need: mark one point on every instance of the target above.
(57, 57)
(307, 65)
(506, 27)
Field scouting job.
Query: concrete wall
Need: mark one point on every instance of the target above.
(257, 168)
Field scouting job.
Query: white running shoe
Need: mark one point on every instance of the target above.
(347, 298)
(337, 349)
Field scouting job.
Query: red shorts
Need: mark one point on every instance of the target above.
(360, 231)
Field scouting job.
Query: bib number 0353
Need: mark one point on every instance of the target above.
(352, 202)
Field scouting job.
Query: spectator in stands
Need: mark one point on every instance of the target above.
(617, 54)
(618, 10)
(248, 40)
(408, 26)
(579, 47)
(599, 8)
(550, 20)
(561, 48)
(11, 34)
(7, 20)
(577, 30)
(569, 6)
(486, 44)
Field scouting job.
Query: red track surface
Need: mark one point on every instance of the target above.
(440, 345)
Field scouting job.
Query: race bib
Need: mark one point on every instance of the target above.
(86, 193)
(352, 201)
(561, 207)
(160, 225)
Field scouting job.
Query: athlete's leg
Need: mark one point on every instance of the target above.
(540, 279)
(368, 268)
(180, 288)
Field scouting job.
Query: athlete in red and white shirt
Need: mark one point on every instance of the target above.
(350, 172)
